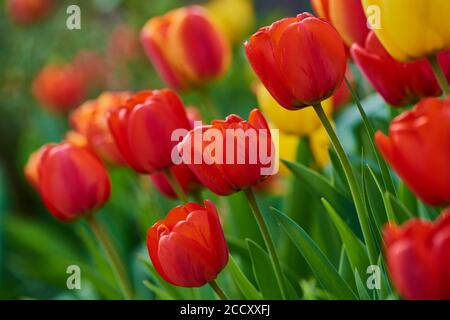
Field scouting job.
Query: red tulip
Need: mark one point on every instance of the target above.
(185, 47)
(142, 129)
(59, 87)
(28, 11)
(347, 16)
(301, 60)
(188, 247)
(418, 258)
(234, 159)
(71, 180)
(185, 177)
(399, 83)
(90, 120)
(418, 149)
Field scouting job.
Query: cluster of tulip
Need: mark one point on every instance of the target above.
(301, 62)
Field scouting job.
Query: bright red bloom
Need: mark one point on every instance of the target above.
(59, 87)
(418, 150)
(188, 247)
(71, 180)
(185, 47)
(90, 120)
(142, 129)
(399, 83)
(227, 156)
(28, 11)
(301, 60)
(347, 16)
(418, 258)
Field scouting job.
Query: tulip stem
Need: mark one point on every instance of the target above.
(361, 209)
(386, 175)
(112, 255)
(209, 108)
(440, 75)
(267, 239)
(175, 185)
(220, 293)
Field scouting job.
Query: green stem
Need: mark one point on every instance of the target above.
(387, 178)
(209, 108)
(220, 293)
(352, 182)
(267, 239)
(112, 255)
(175, 185)
(197, 196)
(440, 75)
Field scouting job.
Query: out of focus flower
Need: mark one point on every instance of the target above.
(25, 12)
(93, 68)
(234, 159)
(59, 87)
(320, 144)
(185, 177)
(346, 16)
(142, 129)
(123, 44)
(235, 17)
(399, 83)
(186, 47)
(412, 32)
(188, 247)
(90, 120)
(418, 258)
(71, 180)
(301, 122)
(418, 150)
(300, 60)
(287, 150)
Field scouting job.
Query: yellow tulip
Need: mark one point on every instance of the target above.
(320, 143)
(287, 150)
(410, 29)
(235, 17)
(301, 122)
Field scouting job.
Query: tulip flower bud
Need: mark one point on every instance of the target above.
(301, 60)
(414, 31)
(398, 83)
(25, 12)
(347, 16)
(300, 123)
(418, 150)
(188, 247)
(418, 258)
(231, 154)
(59, 87)
(186, 48)
(90, 120)
(142, 129)
(71, 180)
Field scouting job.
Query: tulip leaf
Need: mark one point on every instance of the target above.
(400, 211)
(323, 269)
(362, 291)
(322, 188)
(355, 249)
(160, 293)
(264, 274)
(245, 286)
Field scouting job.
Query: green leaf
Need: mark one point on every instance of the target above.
(160, 293)
(323, 269)
(401, 213)
(242, 282)
(322, 188)
(355, 249)
(263, 271)
(362, 291)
